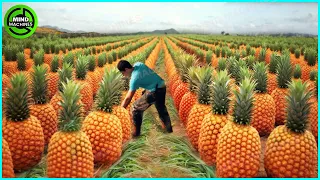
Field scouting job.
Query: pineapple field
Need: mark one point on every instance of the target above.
(240, 106)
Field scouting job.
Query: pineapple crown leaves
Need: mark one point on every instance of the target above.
(110, 91)
(274, 63)
(70, 115)
(244, 72)
(39, 85)
(311, 57)
(250, 60)
(262, 55)
(192, 78)
(38, 58)
(284, 71)
(17, 107)
(297, 72)
(82, 67)
(184, 62)
(92, 63)
(222, 64)
(221, 93)
(260, 75)
(244, 102)
(55, 64)
(10, 52)
(102, 59)
(313, 75)
(64, 74)
(21, 61)
(203, 88)
(298, 107)
(69, 58)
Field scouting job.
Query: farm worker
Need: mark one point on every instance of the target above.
(141, 76)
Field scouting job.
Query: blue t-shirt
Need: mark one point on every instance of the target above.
(144, 77)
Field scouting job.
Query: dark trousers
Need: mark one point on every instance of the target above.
(157, 98)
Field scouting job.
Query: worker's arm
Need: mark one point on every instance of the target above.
(128, 98)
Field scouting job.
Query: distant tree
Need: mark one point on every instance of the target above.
(165, 33)
(227, 34)
(222, 32)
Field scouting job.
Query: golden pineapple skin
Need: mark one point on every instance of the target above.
(263, 113)
(313, 117)
(26, 142)
(53, 81)
(208, 138)
(195, 118)
(271, 83)
(70, 156)
(7, 166)
(181, 90)
(48, 58)
(278, 96)
(105, 134)
(239, 149)
(86, 95)
(9, 67)
(186, 104)
(47, 117)
(175, 86)
(94, 81)
(290, 154)
(126, 122)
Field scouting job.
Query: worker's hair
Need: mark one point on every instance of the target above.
(123, 64)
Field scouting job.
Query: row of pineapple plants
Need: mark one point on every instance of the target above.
(262, 77)
(10, 57)
(308, 62)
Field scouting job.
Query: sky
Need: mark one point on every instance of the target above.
(203, 17)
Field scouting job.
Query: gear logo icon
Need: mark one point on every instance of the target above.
(20, 21)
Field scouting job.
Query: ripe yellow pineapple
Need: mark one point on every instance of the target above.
(291, 150)
(239, 145)
(7, 166)
(202, 107)
(70, 151)
(42, 109)
(22, 131)
(213, 122)
(102, 126)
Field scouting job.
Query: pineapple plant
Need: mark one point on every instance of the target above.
(42, 109)
(190, 98)
(284, 73)
(262, 55)
(22, 131)
(213, 122)
(70, 151)
(310, 65)
(7, 165)
(312, 79)
(296, 72)
(53, 77)
(313, 115)
(264, 109)
(38, 60)
(93, 75)
(102, 126)
(184, 62)
(118, 110)
(81, 78)
(272, 77)
(291, 150)
(202, 106)
(239, 145)
(64, 73)
(9, 64)
(21, 65)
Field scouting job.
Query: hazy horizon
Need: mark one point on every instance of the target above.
(213, 17)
